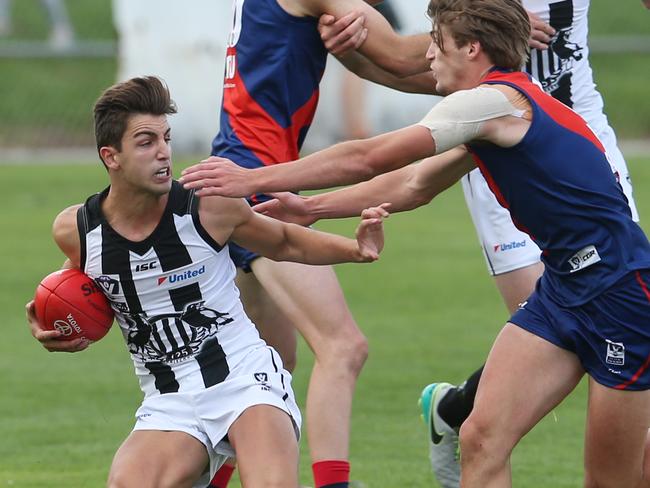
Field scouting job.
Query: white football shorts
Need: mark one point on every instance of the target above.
(505, 247)
(207, 415)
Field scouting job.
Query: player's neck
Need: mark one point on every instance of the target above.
(133, 215)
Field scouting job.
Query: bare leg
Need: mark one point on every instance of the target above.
(312, 298)
(524, 378)
(158, 459)
(615, 439)
(274, 327)
(267, 448)
(516, 286)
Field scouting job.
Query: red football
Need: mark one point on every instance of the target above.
(71, 302)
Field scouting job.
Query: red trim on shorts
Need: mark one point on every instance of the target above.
(636, 376)
(643, 285)
(640, 371)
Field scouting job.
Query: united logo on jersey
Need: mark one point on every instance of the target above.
(179, 316)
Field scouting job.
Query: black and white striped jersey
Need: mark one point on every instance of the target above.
(564, 69)
(173, 294)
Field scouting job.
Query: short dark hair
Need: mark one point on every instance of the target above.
(501, 26)
(146, 95)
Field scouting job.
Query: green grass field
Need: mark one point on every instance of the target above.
(428, 308)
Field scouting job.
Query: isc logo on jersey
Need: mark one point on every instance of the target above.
(185, 275)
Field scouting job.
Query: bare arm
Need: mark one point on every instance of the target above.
(228, 218)
(417, 83)
(64, 231)
(342, 164)
(497, 114)
(343, 36)
(399, 55)
(404, 189)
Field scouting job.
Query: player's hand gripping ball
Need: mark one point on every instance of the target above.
(71, 302)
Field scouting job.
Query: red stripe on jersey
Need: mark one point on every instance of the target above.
(492, 184)
(556, 110)
(256, 129)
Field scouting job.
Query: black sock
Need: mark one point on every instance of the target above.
(457, 404)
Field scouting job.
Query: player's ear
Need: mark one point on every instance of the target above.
(110, 156)
(473, 49)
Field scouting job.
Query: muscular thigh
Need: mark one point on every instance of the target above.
(524, 378)
(617, 426)
(274, 326)
(309, 295)
(149, 458)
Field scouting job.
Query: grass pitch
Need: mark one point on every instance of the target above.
(428, 308)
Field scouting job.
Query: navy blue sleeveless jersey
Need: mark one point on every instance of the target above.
(560, 189)
(274, 64)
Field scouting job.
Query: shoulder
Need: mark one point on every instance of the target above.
(219, 215)
(66, 234)
(66, 221)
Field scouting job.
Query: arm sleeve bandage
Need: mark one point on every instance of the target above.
(458, 117)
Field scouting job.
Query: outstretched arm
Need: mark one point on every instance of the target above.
(404, 189)
(482, 113)
(233, 219)
(342, 164)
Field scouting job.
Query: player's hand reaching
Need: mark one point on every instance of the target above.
(217, 176)
(50, 339)
(370, 233)
(343, 35)
(540, 32)
(288, 207)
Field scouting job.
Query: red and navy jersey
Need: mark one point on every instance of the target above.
(560, 189)
(274, 64)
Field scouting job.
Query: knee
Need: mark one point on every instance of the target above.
(347, 351)
(479, 443)
(117, 480)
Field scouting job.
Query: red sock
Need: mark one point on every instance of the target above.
(331, 473)
(222, 476)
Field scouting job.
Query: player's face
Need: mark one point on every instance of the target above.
(448, 66)
(145, 159)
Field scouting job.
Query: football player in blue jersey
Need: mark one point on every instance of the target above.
(590, 306)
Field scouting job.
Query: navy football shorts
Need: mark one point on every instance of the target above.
(241, 257)
(610, 334)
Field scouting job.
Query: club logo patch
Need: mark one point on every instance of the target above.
(262, 379)
(615, 353)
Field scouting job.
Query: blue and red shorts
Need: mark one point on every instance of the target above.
(610, 334)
